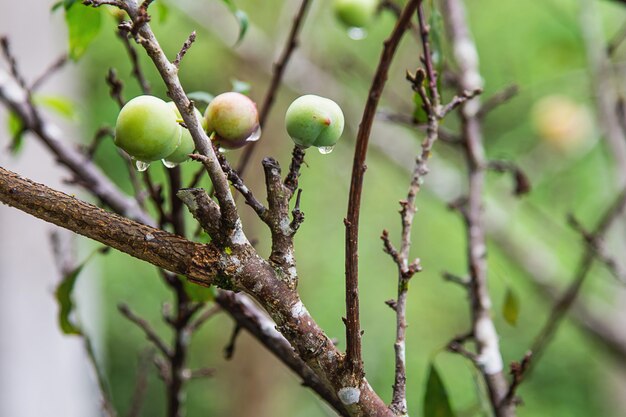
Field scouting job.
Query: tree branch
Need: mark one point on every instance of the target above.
(489, 358)
(353, 328)
(160, 248)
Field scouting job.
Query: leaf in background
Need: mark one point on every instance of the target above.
(511, 307)
(201, 96)
(436, 402)
(240, 86)
(16, 131)
(61, 105)
(198, 293)
(83, 24)
(63, 295)
(436, 29)
(419, 114)
(241, 16)
(163, 10)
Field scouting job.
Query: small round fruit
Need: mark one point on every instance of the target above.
(355, 13)
(233, 118)
(314, 121)
(181, 154)
(562, 123)
(147, 129)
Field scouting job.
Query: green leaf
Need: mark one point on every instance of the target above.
(16, 131)
(68, 3)
(83, 25)
(197, 292)
(201, 96)
(163, 11)
(56, 6)
(61, 105)
(63, 295)
(436, 402)
(511, 307)
(240, 86)
(436, 29)
(419, 114)
(241, 16)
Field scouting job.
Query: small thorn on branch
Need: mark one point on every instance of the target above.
(181, 54)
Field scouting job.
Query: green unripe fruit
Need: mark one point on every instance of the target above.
(355, 13)
(314, 121)
(147, 129)
(234, 119)
(181, 154)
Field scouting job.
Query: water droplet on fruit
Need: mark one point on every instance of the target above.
(141, 165)
(325, 150)
(357, 33)
(256, 135)
(169, 164)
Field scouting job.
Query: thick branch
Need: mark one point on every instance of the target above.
(249, 317)
(160, 248)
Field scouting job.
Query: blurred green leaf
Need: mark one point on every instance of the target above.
(198, 293)
(83, 24)
(201, 96)
(436, 402)
(16, 131)
(419, 114)
(63, 296)
(241, 16)
(241, 86)
(163, 10)
(511, 307)
(65, 3)
(436, 29)
(61, 105)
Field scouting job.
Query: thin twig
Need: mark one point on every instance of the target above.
(353, 327)
(147, 329)
(181, 54)
(48, 72)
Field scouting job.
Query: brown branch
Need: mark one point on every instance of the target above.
(116, 86)
(134, 60)
(183, 51)
(353, 328)
(277, 76)
(152, 245)
(248, 316)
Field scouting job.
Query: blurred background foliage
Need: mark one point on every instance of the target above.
(537, 45)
